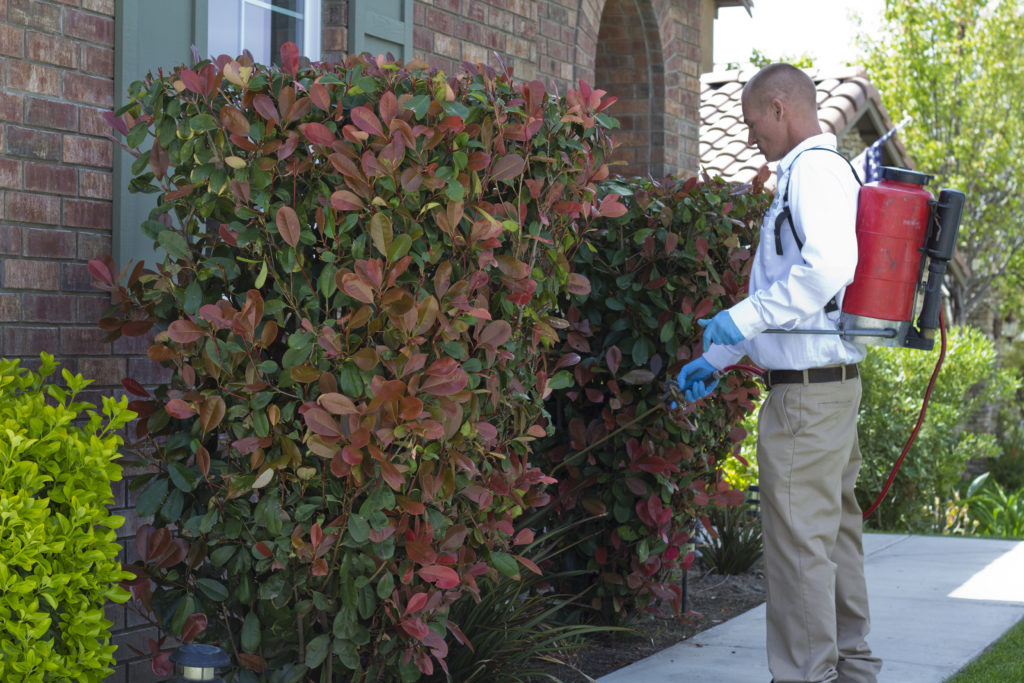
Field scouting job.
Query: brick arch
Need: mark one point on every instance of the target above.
(630, 64)
(669, 31)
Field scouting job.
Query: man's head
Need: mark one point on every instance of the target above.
(780, 109)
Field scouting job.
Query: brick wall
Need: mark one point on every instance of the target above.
(646, 52)
(55, 180)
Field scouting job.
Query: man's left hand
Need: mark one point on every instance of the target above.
(720, 330)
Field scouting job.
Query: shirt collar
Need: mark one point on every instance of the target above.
(820, 140)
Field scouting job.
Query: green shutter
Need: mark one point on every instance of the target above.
(380, 27)
(149, 34)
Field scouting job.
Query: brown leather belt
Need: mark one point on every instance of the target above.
(832, 373)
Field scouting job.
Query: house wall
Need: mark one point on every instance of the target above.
(56, 187)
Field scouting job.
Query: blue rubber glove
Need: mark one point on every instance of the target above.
(720, 330)
(693, 379)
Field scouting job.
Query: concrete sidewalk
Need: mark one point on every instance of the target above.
(936, 604)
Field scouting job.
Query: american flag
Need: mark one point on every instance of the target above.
(873, 154)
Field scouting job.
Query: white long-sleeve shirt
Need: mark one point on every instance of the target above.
(790, 291)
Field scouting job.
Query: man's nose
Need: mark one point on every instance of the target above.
(750, 138)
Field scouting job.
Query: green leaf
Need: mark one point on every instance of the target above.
(149, 500)
(317, 649)
(358, 528)
(419, 105)
(505, 563)
(183, 476)
(251, 632)
(174, 244)
(385, 585)
(213, 589)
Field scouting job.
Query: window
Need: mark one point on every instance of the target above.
(262, 26)
(160, 33)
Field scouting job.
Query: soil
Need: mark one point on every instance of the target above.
(711, 600)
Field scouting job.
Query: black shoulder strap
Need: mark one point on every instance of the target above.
(787, 215)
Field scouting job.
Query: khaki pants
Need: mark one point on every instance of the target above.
(817, 610)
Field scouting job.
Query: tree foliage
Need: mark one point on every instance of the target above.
(956, 67)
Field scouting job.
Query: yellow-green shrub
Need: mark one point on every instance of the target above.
(58, 548)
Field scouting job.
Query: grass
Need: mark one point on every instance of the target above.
(1000, 663)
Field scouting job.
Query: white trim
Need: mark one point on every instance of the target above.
(312, 29)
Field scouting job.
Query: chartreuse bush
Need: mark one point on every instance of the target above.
(680, 252)
(58, 545)
(894, 383)
(363, 268)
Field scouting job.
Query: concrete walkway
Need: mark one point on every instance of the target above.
(936, 604)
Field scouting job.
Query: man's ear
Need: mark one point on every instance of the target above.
(775, 108)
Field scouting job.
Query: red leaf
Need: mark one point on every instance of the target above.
(321, 422)
(343, 200)
(366, 120)
(318, 133)
(392, 476)
(529, 564)
(421, 553)
(337, 404)
(508, 167)
(611, 207)
(115, 122)
(290, 58)
(356, 288)
(194, 625)
(179, 409)
(263, 549)
(184, 331)
(415, 628)
(703, 308)
(192, 81)
(288, 225)
(496, 333)
(613, 358)
(416, 603)
(265, 107)
(133, 387)
(100, 272)
(578, 284)
(440, 576)
(162, 665)
(320, 96)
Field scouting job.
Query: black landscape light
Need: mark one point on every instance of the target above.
(199, 662)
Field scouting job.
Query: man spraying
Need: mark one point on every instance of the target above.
(807, 450)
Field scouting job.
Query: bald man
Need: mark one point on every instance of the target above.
(807, 450)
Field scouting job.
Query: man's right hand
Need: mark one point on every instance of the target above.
(693, 379)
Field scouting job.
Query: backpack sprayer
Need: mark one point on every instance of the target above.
(901, 231)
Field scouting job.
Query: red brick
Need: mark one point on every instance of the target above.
(146, 372)
(89, 27)
(83, 341)
(134, 346)
(99, 6)
(10, 173)
(52, 113)
(11, 107)
(12, 41)
(87, 213)
(34, 14)
(34, 78)
(10, 239)
(91, 122)
(32, 143)
(51, 178)
(25, 274)
(75, 277)
(97, 60)
(89, 89)
(29, 341)
(95, 184)
(49, 243)
(91, 308)
(10, 308)
(88, 151)
(48, 308)
(335, 39)
(92, 245)
(52, 50)
(32, 208)
(106, 372)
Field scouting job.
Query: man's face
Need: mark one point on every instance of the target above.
(765, 128)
